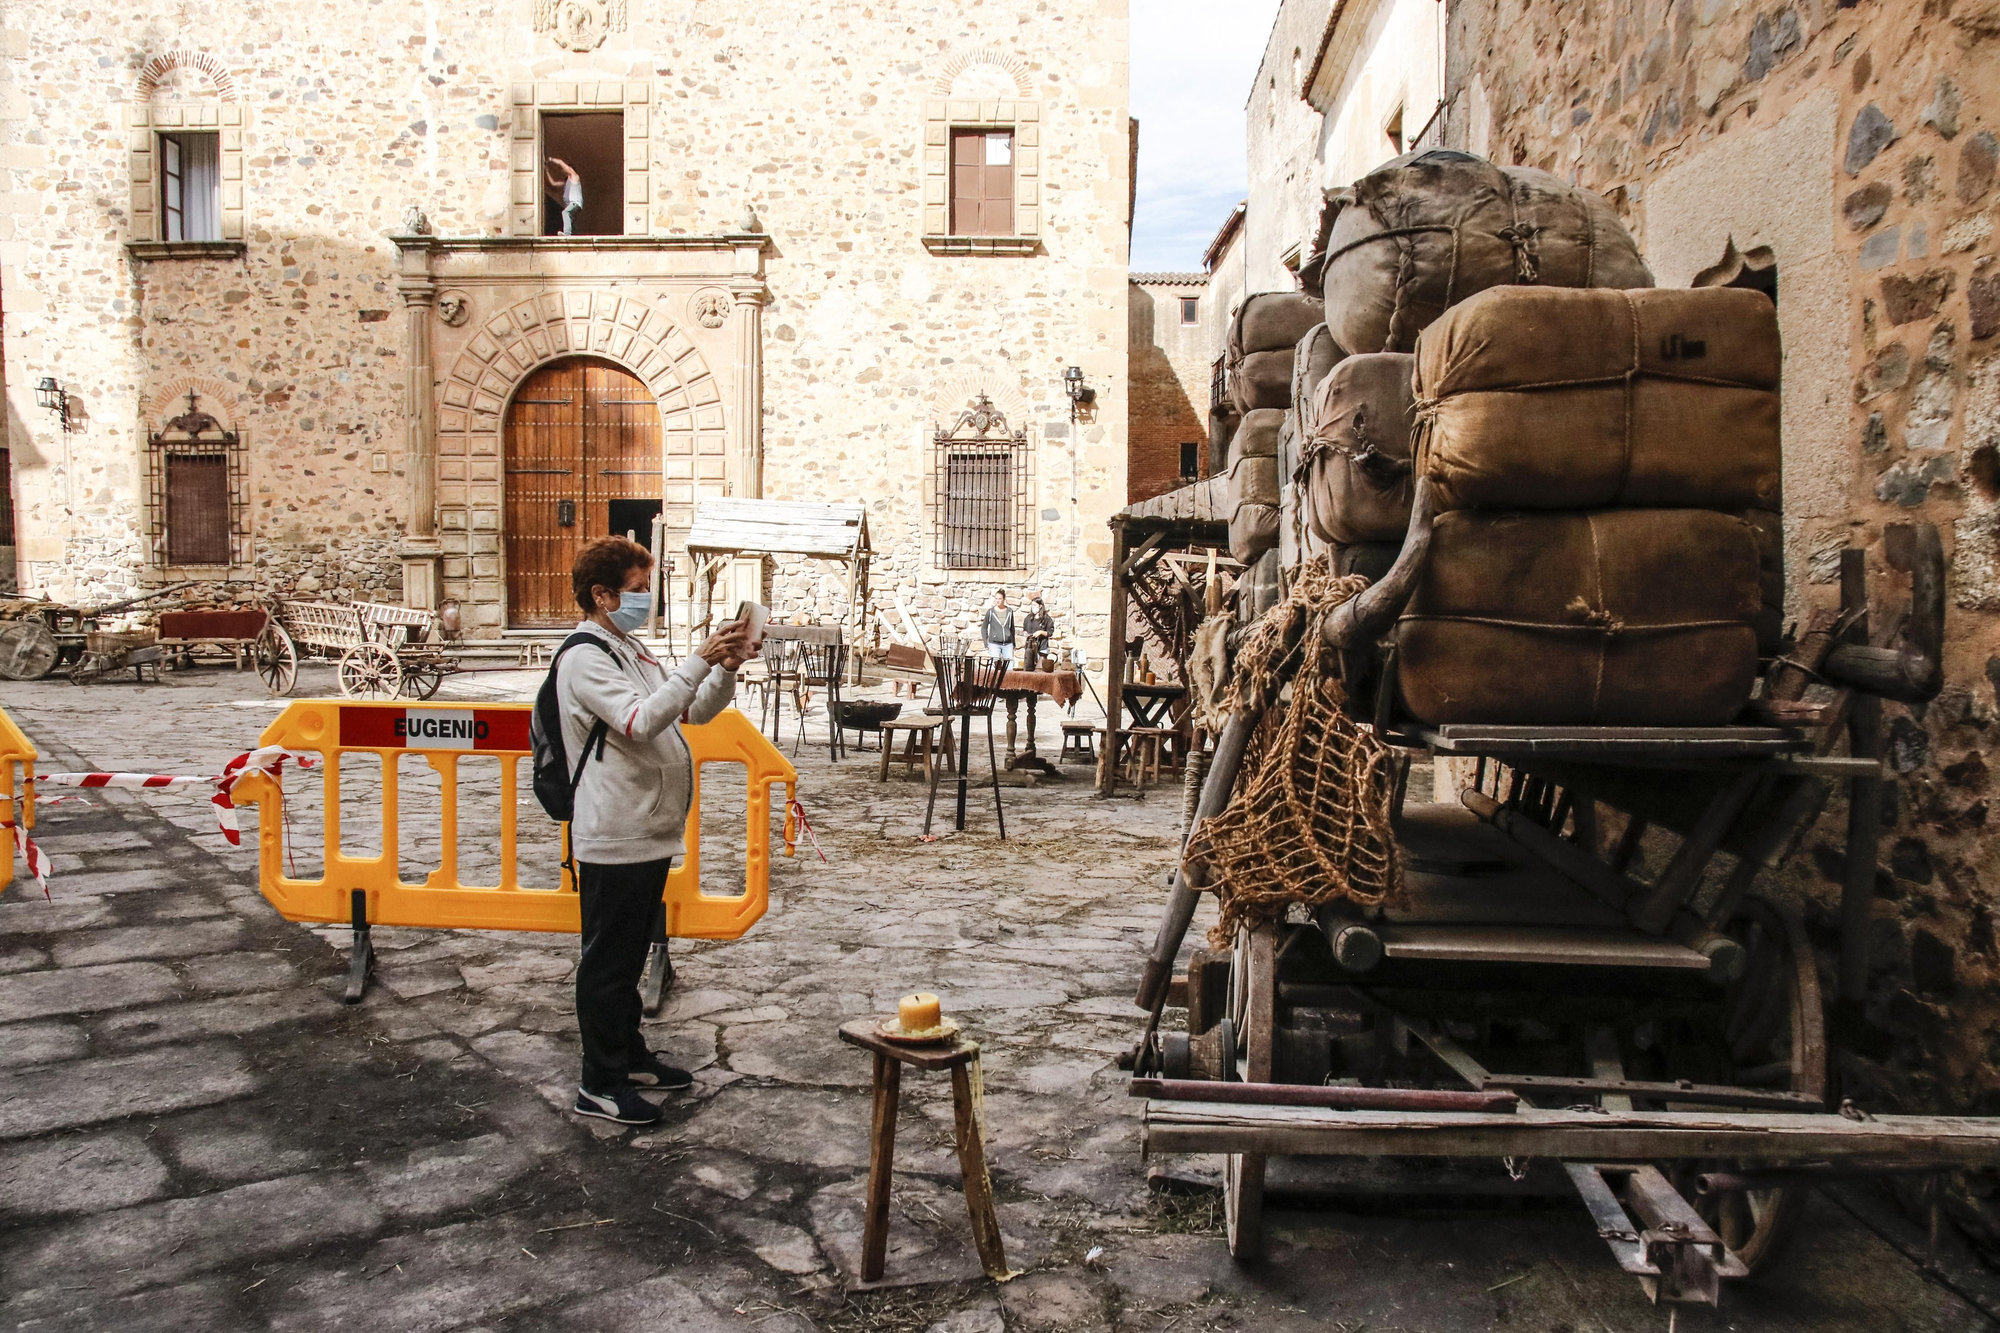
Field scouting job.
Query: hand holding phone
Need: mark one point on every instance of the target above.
(753, 617)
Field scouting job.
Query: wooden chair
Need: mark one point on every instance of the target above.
(821, 666)
(967, 688)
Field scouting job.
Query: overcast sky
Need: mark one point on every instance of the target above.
(1192, 63)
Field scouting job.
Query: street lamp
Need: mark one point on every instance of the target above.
(52, 397)
(1080, 395)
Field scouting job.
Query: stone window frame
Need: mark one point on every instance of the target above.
(632, 97)
(1020, 115)
(220, 113)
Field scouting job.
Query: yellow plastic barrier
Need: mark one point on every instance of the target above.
(367, 891)
(17, 800)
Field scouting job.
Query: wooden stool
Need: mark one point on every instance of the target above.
(924, 728)
(1079, 743)
(961, 1057)
(1144, 756)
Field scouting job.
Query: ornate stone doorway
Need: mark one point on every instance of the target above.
(583, 459)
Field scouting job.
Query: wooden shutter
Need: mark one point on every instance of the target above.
(197, 509)
(982, 182)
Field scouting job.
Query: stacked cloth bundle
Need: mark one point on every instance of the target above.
(1605, 466)
(1421, 233)
(1259, 357)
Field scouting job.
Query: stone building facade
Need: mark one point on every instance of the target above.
(1843, 157)
(773, 266)
(1169, 375)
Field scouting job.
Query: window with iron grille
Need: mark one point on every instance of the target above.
(980, 492)
(198, 496)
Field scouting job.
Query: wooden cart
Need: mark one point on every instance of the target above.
(248, 637)
(382, 651)
(1657, 1041)
(49, 638)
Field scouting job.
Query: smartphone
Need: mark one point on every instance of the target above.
(756, 616)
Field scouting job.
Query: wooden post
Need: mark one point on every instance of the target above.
(971, 1136)
(881, 1162)
(1864, 800)
(1114, 665)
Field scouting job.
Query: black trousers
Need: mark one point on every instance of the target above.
(618, 904)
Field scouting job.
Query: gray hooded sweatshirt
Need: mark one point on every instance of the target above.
(632, 803)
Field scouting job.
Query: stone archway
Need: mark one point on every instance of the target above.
(626, 329)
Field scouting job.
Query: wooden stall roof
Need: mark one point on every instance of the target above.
(779, 527)
(1194, 511)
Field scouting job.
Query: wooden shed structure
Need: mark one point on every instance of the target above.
(1142, 536)
(727, 528)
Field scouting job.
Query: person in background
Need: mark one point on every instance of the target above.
(631, 808)
(570, 187)
(1038, 626)
(997, 628)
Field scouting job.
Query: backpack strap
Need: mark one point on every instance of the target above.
(599, 729)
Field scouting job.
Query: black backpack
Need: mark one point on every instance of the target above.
(555, 781)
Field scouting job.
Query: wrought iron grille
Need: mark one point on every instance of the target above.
(198, 492)
(1218, 383)
(981, 491)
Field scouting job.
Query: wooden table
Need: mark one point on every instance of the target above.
(961, 1057)
(1065, 687)
(1150, 704)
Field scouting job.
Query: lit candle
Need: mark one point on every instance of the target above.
(918, 1013)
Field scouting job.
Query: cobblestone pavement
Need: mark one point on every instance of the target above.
(195, 1134)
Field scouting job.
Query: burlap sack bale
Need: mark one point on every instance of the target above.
(1312, 360)
(1261, 380)
(1533, 398)
(1356, 464)
(1413, 237)
(1768, 528)
(1251, 481)
(1272, 322)
(1257, 436)
(1371, 560)
(1622, 617)
(1253, 531)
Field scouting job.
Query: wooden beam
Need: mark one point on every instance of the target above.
(1890, 1142)
(1114, 666)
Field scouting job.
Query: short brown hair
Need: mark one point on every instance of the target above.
(605, 563)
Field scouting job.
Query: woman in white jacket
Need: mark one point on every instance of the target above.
(630, 808)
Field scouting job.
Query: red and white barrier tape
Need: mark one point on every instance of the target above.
(798, 812)
(38, 866)
(265, 759)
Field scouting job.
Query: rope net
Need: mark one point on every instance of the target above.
(1308, 821)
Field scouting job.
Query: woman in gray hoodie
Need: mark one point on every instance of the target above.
(630, 809)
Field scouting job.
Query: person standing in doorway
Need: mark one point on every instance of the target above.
(1038, 626)
(568, 188)
(997, 628)
(630, 808)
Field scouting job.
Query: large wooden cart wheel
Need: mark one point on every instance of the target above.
(27, 650)
(277, 659)
(370, 672)
(1253, 997)
(1774, 1024)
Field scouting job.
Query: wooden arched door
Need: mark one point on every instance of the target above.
(583, 461)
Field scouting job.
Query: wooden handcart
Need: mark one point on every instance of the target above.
(49, 638)
(1536, 1007)
(249, 636)
(381, 651)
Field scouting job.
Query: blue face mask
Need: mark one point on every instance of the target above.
(633, 609)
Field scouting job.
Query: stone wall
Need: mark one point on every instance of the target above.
(1283, 139)
(1169, 374)
(874, 330)
(1854, 148)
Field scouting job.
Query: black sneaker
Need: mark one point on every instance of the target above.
(653, 1075)
(622, 1105)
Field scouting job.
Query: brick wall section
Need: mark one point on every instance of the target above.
(1859, 146)
(1169, 377)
